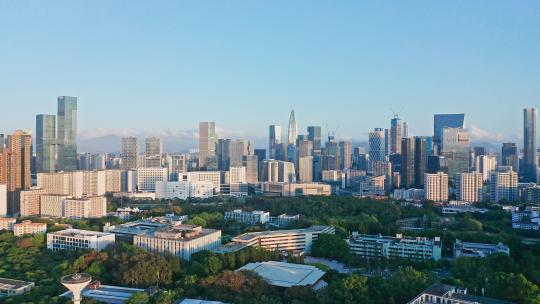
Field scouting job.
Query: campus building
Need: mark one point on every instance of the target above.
(378, 246)
(297, 240)
(74, 239)
(180, 240)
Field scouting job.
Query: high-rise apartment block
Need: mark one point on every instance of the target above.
(503, 186)
(130, 153)
(436, 187)
(469, 187)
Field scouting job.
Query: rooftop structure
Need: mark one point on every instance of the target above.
(299, 240)
(285, 274)
(197, 301)
(479, 250)
(9, 287)
(441, 293)
(126, 232)
(107, 294)
(178, 240)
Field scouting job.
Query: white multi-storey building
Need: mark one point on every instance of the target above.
(378, 246)
(74, 239)
(172, 190)
(469, 187)
(202, 176)
(180, 240)
(436, 187)
(201, 189)
(237, 175)
(298, 240)
(27, 227)
(248, 217)
(147, 178)
(503, 186)
(485, 164)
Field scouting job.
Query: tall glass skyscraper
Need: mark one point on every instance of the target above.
(67, 133)
(441, 121)
(293, 130)
(314, 135)
(45, 143)
(395, 135)
(274, 137)
(530, 144)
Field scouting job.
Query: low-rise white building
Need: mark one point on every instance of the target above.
(74, 239)
(478, 250)
(378, 246)
(528, 219)
(248, 217)
(9, 287)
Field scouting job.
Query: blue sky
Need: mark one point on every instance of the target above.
(165, 65)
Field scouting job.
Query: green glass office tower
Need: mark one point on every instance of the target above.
(45, 143)
(67, 133)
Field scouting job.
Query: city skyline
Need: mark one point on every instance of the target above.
(417, 65)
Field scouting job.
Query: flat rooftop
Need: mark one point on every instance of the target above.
(11, 284)
(79, 232)
(197, 301)
(250, 235)
(107, 294)
(285, 274)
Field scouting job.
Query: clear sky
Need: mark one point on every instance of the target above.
(165, 65)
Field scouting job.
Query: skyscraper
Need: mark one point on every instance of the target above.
(154, 146)
(67, 133)
(530, 145)
(45, 143)
(407, 162)
(420, 160)
(510, 156)
(207, 143)
(441, 121)
(293, 130)
(395, 135)
(345, 155)
(377, 145)
(18, 172)
(314, 135)
(455, 147)
(130, 153)
(274, 145)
